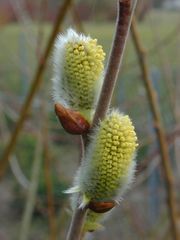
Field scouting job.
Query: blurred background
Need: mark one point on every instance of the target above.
(45, 158)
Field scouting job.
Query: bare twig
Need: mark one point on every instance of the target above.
(122, 28)
(33, 89)
(62, 219)
(76, 226)
(124, 16)
(168, 175)
(75, 229)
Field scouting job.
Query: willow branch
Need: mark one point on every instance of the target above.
(34, 87)
(165, 160)
(124, 15)
(123, 22)
(77, 223)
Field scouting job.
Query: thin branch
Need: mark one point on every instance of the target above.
(122, 29)
(124, 16)
(34, 87)
(76, 226)
(77, 221)
(168, 175)
(62, 219)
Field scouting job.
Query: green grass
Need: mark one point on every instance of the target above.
(157, 21)
(18, 51)
(18, 47)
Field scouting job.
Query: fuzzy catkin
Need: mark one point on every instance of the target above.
(83, 66)
(109, 164)
(108, 167)
(78, 71)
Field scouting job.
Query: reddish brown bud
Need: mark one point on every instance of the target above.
(73, 122)
(101, 207)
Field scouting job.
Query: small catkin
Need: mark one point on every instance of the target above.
(78, 68)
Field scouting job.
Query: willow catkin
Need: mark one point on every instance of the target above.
(78, 71)
(109, 165)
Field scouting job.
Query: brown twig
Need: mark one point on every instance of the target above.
(34, 87)
(168, 175)
(124, 15)
(122, 29)
(77, 221)
(76, 226)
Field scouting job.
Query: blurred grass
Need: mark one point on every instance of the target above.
(18, 55)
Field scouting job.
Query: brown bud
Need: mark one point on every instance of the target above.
(73, 122)
(101, 207)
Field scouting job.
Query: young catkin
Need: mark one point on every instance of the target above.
(109, 165)
(78, 72)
